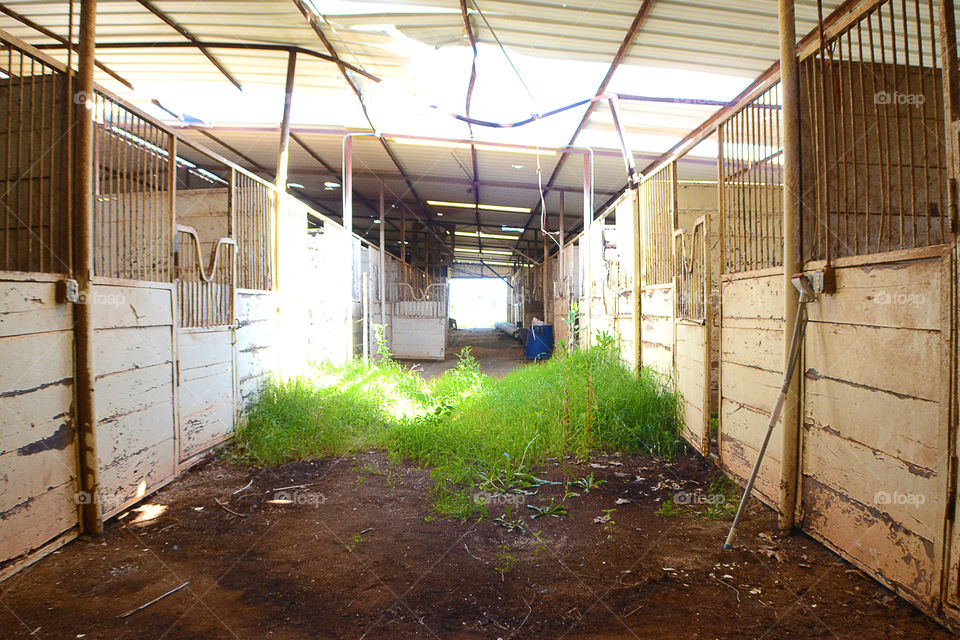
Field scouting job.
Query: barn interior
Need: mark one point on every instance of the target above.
(204, 202)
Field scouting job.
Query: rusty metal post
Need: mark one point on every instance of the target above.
(585, 248)
(790, 425)
(283, 157)
(347, 213)
(84, 383)
(637, 288)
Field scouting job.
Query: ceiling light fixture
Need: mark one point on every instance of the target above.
(482, 207)
(479, 146)
(480, 234)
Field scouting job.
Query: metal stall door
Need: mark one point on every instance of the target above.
(206, 335)
(419, 329)
(692, 331)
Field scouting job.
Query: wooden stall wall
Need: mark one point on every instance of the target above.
(696, 345)
(260, 340)
(38, 457)
(656, 332)
(600, 301)
(751, 373)
(875, 418)
(565, 293)
(135, 376)
(325, 296)
(695, 199)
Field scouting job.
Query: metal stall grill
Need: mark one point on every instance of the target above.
(658, 210)
(254, 205)
(205, 292)
(751, 185)
(690, 254)
(34, 149)
(132, 198)
(874, 169)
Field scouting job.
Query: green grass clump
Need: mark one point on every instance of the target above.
(474, 432)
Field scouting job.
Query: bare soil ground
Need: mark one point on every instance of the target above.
(355, 553)
(498, 355)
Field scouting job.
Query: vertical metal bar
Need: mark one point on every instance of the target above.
(912, 196)
(841, 158)
(946, 107)
(8, 219)
(861, 129)
(899, 125)
(925, 155)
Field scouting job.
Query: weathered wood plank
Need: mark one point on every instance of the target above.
(203, 430)
(753, 346)
(35, 361)
(128, 435)
(894, 361)
(202, 348)
(657, 302)
(902, 295)
(134, 476)
(134, 390)
(121, 306)
(903, 428)
(754, 387)
(37, 419)
(254, 307)
(212, 385)
(31, 307)
(31, 474)
(131, 348)
(760, 297)
(738, 458)
(31, 524)
(748, 425)
(896, 556)
(905, 495)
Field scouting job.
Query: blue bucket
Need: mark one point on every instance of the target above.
(539, 344)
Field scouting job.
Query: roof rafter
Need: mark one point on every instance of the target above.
(631, 34)
(22, 19)
(173, 24)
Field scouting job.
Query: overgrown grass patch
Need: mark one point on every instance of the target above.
(474, 432)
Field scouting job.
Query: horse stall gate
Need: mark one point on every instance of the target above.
(419, 321)
(609, 303)
(184, 293)
(877, 467)
(751, 286)
(565, 289)
(658, 210)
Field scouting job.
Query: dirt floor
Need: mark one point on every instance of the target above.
(498, 354)
(348, 548)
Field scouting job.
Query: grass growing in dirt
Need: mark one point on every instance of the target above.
(476, 433)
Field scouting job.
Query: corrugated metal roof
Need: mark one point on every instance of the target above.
(737, 38)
